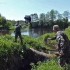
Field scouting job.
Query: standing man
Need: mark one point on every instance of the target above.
(18, 32)
(63, 45)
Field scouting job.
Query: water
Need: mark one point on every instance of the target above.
(30, 32)
(33, 32)
(23, 32)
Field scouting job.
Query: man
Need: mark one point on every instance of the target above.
(18, 32)
(63, 45)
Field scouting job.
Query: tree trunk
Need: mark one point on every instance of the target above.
(42, 54)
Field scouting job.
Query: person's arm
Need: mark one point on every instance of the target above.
(20, 26)
(16, 25)
(53, 38)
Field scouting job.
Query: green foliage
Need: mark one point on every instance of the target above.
(44, 40)
(42, 19)
(32, 42)
(67, 31)
(9, 49)
(52, 64)
(44, 37)
(52, 17)
(4, 23)
(8, 25)
(48, 65)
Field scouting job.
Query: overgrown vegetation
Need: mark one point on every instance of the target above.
(50, 18)
(52, 64)
(11, 51)
(4, 24)
(47, 65)
(8, 24)
(12, 54)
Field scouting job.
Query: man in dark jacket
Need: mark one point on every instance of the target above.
(18, 31)
(63, 45)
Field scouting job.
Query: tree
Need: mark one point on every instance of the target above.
(60, 17)
(52, 15)
(66, 15)
(2, 20)
(42, 19)
(47, 17)
(0, 15)
(34, 17)
(59, 20)
(8, 25)
(34, 20)
(4, 23)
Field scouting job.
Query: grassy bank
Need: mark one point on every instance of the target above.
(51, 64)
(11, 53)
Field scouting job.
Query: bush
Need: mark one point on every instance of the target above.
(11, 53)
(48, 65)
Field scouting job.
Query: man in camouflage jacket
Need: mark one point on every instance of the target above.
(63, 45)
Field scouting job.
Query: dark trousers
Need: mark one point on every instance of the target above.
(64, 59)
(16, 36)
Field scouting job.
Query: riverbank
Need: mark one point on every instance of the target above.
(14, 56)
(9, 51)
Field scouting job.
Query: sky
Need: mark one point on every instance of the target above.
(17, 9)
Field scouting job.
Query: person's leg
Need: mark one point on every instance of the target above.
(20, 38)
(61, 61)
(68, 59)
(16, 36)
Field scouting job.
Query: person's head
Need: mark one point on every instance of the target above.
(18, 21)
(55, 28)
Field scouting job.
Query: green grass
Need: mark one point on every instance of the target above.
(47, 65)
(52, 64)
(8, 47)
